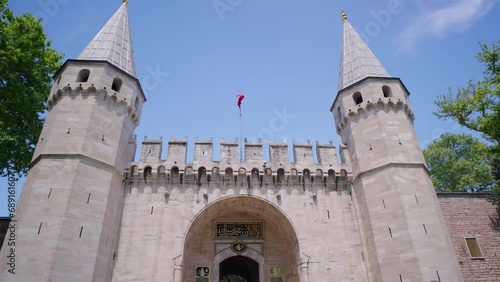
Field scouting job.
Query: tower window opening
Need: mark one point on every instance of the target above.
(83, 76)
(117, 85)
(387, 91)
(281, 175)
(40, 227)
(147, 173)
(358, 99)
(339, 115)
(136, 104)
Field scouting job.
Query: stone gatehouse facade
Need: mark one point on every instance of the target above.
(366, 211)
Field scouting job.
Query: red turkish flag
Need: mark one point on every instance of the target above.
(240, 99)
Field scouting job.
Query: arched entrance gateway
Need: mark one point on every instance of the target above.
(241, 238)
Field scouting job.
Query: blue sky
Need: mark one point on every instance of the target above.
(283, 55)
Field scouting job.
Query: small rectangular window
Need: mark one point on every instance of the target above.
(474, 249)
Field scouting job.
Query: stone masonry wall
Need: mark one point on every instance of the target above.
(472, 216)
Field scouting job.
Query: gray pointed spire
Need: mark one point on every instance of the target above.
(113, 43)
(357, 61)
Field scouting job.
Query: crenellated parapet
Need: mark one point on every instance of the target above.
(85, 81)
(120, 105)
(368, 108)
(229, 171)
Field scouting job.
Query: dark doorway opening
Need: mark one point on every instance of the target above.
(239, 269)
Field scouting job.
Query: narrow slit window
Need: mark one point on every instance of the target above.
(40, 228)
(474, 248)
(136, 104)
(339, 115)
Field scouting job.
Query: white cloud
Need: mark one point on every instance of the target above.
(457, 16)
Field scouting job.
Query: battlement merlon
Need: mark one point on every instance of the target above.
(278, 152)
(327, 156)
(254, 152)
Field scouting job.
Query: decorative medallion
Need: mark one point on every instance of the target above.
(202, 274)
(239, 247)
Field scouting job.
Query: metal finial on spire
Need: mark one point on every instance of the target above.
(125, 2)
(344, 16)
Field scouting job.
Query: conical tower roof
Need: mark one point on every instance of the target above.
(357, 61)
(113, 43)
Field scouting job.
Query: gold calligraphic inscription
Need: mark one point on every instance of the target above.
(253, 229)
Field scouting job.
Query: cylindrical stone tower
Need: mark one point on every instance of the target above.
(67, 224)
(404, 235)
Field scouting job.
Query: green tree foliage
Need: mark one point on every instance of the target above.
(460, 163)
(477, 106)
(495, 193)
(26, 66)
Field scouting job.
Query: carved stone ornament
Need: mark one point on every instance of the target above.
(239, 247)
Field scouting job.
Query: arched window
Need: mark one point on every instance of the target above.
(268, 172)
(242, 173)
(306, 175)
(229, 174)
(161, 172)
(343, 175)
(331, 175)
(216, 174)
(117, 85)
(174, 172)
(255, 174)
(148, 172)
(83, 76)
(202, 174)
(358, 99)
(133, 170)
(387, 91)
(188, 173)
(281, 175)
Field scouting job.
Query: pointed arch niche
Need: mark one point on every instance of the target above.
(203, 248)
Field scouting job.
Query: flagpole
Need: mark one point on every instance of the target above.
(241, 137)
(240, 143)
